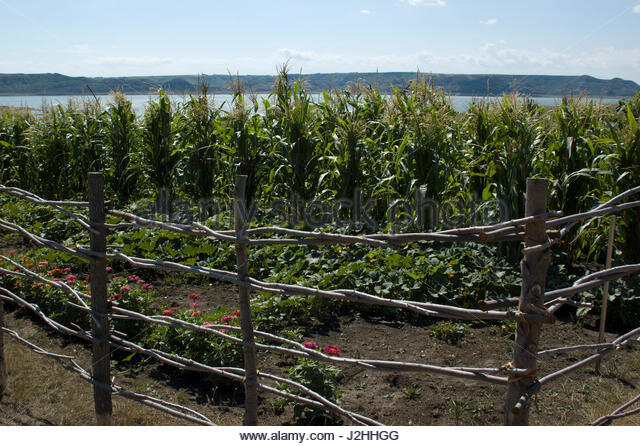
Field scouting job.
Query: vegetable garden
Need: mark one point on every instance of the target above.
(175, 166)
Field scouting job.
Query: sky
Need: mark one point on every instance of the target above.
(600, 38)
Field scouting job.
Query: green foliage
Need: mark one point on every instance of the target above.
(160, 151)
(197, 345)
(122, 141)
(450, 332)
(201, 153)
(412, 392)
(353, 140)
(320, 378)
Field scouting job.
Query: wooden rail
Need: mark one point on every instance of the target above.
(535, 305)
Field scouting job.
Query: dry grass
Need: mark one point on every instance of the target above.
(39, 387)
(42, 392)
(620, 381)
(586, 395)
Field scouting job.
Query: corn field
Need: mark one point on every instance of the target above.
(352, 141)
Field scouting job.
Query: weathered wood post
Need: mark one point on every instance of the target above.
(101, 358)
(605, 291)
(250, 361)
(3, 362)
(534, 273)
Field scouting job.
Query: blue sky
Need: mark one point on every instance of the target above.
(117, 38)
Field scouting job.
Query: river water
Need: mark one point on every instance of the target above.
(459, 103)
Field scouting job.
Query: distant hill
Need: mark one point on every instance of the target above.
(453, 84)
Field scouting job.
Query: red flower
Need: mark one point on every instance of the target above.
(236, 312)
(331, 350)
(169, 311)
(310, 344)
(193, 296)
(115, 298)
(227, 318)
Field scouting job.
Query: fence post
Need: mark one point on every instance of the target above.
(250, 361)
(605, 291)
(534, 272)
(3, 362)
(101, 358)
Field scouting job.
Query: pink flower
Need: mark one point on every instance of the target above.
(12, 252)
(195, 304)
(139, 281)
(71, 276)
(109, 269)
(133, 278)
(85, 282)
(43, 264)
(67, 270)
(147, 287)
(310, 344)
(227, 318)
(206, 324)
(225, 331)
(125, 288)
(331, 350)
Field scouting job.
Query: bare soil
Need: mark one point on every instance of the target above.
(43, 393)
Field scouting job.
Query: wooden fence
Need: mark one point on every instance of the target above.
(536, 306)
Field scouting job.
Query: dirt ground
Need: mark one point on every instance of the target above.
(41, 392)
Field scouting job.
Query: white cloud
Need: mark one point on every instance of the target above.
(636, 9)
(365, 12)
(309, 57)
(489, 22)
(425, 2)
(605, 62)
